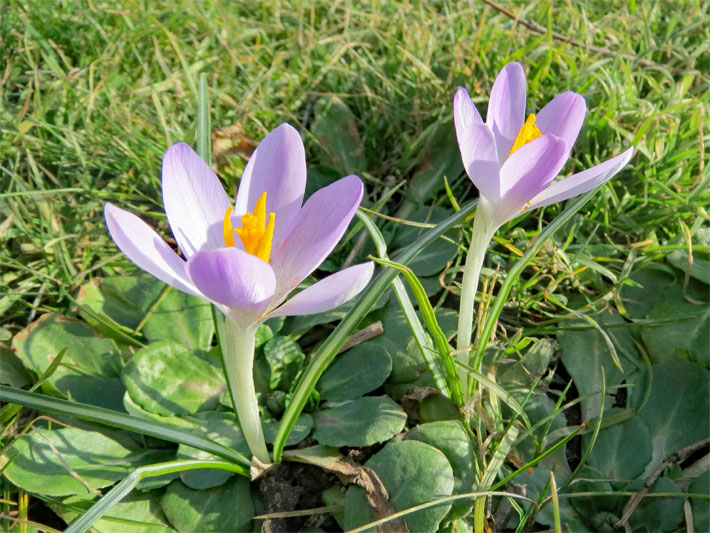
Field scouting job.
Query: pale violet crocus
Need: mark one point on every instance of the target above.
(513, 161)
(248, 257)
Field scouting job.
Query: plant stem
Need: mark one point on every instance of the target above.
(480, 238)
(237, 345)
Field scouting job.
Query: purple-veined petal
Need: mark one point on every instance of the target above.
(194, 200)
(563, 116)
(480, 159)
(328, 293)
(317, 228)
(506, 107)
(146, 249)
(232, 277)
(465, 112)
(528, 170)
(581, 182)
(277, 167)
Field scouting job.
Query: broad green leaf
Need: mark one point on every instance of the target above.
(218, 427)
(659, 514)
(653, 279)
(677, 409)
(164, 314)
(336, 130)
(358, 371)
(413, 473)
(90, 367)
(682, 331)
(228, 507)
(451, 439)
(285, 358)
(12, 371)
(360, 422)
(301, 429)
(621, 452)
(168, 379)
(69, 461)
(584, 352)
(137, 512)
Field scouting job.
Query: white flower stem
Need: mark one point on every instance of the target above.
(237, 344)
(480, 238)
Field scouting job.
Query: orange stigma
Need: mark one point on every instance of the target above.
(529, 132)
(256, 233)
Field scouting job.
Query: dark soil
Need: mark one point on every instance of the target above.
(295, 486)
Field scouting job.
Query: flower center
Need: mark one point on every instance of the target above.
(529, 132)
(256, 234)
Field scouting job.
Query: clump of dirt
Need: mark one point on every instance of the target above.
(292, 487)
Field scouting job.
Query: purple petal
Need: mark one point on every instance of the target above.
(465, 112)
(480, 159)
(581, 182)
(317, 228)
(328, 293)
(146, 249)
(563, 116)
(232, 277)
(506, 108)
(194, 200)
(277, 167)
(528, 171)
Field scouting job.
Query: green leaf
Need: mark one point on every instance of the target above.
(652, 280)
(285, 358)
(336, 130)
(90, 367)
(74, 461)
(659, 514)
(413, 473)
(451, 439)
(301, 429)
(621, 452)
(584, 353)
(358, 371)
(12, 371)
(168, 379)
(360, 422)
(682, 331)
(139, 511)
(142, 301)
(225, 508)
(679, 399)
(218, 427)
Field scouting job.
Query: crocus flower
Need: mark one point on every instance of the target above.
(247, 258)
(513, 160)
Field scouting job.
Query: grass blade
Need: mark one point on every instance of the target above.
(107, 417)
(118, 492)
(421, 338)
(326, 351)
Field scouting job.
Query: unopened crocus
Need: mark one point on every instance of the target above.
(513, 161)
(248, 257)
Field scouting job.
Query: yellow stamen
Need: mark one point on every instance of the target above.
(255, 237)
(227, 228)
(527, 133)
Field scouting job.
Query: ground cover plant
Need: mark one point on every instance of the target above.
(577, 400)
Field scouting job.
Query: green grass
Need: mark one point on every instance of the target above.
(94, 92)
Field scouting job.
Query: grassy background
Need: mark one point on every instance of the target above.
(93, 92)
